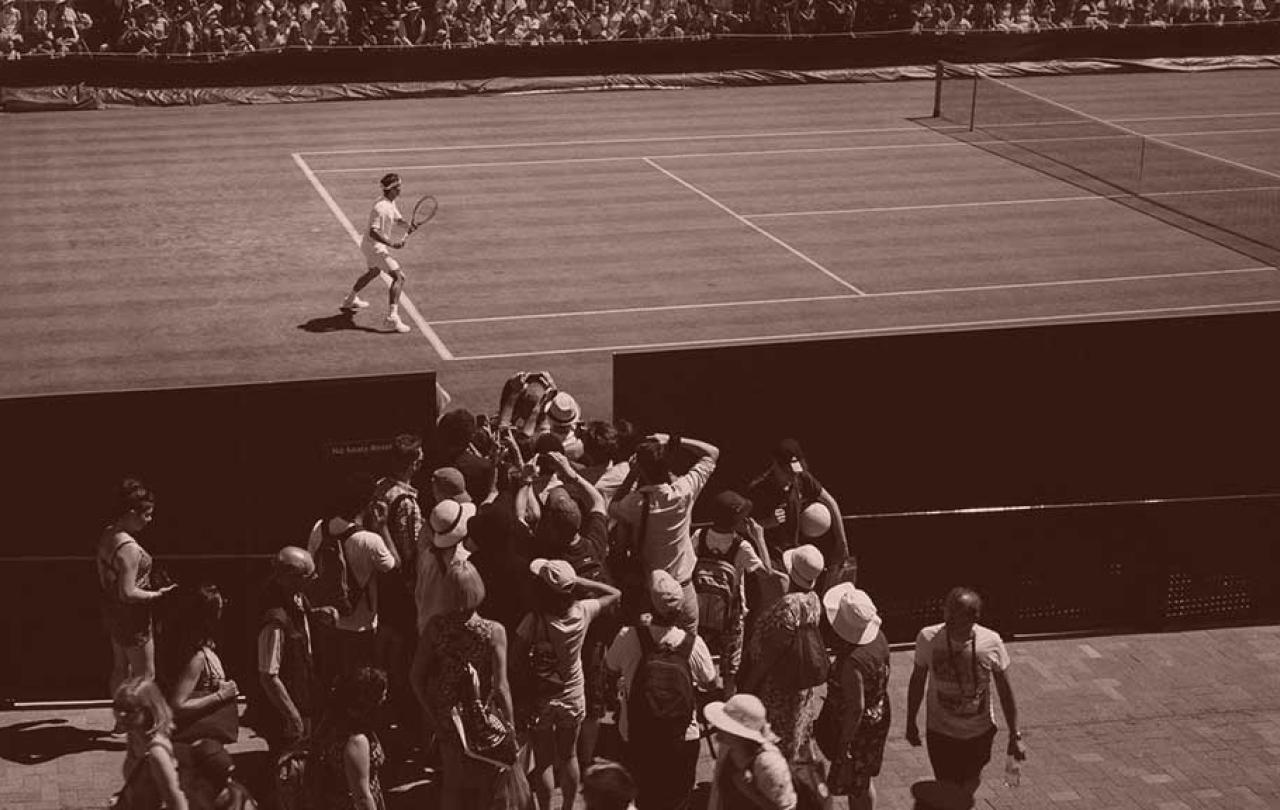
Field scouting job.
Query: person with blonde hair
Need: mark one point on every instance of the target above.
(461, 652)
(150, 767)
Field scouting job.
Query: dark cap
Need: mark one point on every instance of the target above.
(728, 510)
(787, 453)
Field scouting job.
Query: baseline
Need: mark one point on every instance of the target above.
(805, 150)
(811, 299)
(1083, 317)
(430, 334)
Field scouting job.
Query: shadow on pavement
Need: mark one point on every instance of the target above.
(38, 741)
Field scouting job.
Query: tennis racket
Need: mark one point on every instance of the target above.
(423, 211)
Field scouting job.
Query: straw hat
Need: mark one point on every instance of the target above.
(742, 715)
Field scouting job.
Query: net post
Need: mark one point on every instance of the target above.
(939, 71)
(973, 102)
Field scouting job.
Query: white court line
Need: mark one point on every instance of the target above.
(704, 195)
(812, 150)
(608, 141)
(810, 299)
(884, 330)
(1028, 201)
(414, 314)
(724, 137)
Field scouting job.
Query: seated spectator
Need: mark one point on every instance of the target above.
(150, 767)
(202, 696)
(11, 24)
(750, 771)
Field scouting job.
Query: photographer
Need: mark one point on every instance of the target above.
(662, 504)
(781, 495)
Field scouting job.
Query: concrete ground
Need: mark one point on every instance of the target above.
(1166, 721)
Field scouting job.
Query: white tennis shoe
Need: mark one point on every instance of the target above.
(394, 322)
(352, 303)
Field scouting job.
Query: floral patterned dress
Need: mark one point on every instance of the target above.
(457, 640)
(791, 713)
(331, 757)
(851, 773)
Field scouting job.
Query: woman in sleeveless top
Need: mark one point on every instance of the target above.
(150, 767)
(346, 751)
(124, 581)
(854, 723)
(441, 679)
(192, 673)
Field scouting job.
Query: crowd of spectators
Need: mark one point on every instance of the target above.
(489, 602)
(187, 27)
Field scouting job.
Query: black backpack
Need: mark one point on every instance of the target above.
(334, 585)
(715, 581)
(661, 703)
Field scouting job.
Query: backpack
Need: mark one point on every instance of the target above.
(715, 581)
(335, 586)
(805, 665)
(661, 703)
(544, 661)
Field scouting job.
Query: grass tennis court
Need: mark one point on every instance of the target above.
(159, 248)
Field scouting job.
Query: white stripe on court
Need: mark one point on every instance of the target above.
(814, 133)
(414, 314)
(811, 299)
(704, 195)
(885, 330)
(812, 150)
(1029, 201)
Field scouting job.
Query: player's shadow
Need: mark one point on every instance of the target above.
(37, 741)
(342, 321)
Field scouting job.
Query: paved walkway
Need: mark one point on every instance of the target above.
(1170, 721)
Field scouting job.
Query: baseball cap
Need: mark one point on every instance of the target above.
(666, 593)
(728, 510)
(558, 574)
(788, 454)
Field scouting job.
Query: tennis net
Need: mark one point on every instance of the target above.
(1171, 181)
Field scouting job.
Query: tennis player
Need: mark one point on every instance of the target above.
(376, 246)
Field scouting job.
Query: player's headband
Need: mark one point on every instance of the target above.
(390, 181)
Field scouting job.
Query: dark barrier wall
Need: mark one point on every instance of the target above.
(638, 57)
(238, 472)
(1047, 415)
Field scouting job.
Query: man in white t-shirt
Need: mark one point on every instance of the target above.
(380, 237)
(665, 773)
(959, 660)
(345, 643)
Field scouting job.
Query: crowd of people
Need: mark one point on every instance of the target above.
(187, 27)
(485, 605)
